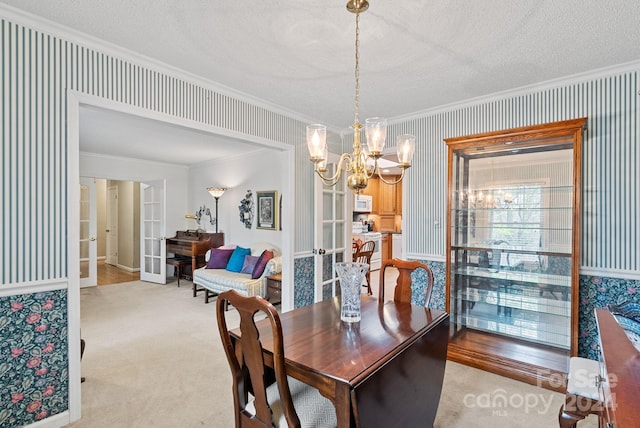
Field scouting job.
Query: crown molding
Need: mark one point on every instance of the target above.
(63, 32)
(523, 90)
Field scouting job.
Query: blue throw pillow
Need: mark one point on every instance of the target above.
(237, 259)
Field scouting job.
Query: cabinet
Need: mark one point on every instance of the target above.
(387, 205)
(386, 246)
(513, 249)
(274, 288)
(387, 199)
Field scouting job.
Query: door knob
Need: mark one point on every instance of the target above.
(92, 239)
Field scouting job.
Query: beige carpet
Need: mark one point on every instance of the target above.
(154, 359)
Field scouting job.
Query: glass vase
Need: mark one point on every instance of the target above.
(351, 276)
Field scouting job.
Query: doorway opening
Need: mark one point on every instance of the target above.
(116, 216)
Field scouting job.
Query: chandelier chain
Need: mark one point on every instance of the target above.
(362, 164)
(356, 118)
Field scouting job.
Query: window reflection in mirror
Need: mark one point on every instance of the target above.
(507, 197)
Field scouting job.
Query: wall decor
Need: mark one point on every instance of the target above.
(246, 210)
(267, 210)
(280, 217)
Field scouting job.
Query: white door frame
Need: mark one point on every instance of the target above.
(74, 100)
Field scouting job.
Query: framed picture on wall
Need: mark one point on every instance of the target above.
(268, 205)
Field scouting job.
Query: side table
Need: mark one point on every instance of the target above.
(274, 288)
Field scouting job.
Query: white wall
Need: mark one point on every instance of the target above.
(258, 172)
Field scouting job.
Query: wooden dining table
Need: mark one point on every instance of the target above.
(385, 370)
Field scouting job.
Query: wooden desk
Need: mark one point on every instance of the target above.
(621, 366)
(385, 371)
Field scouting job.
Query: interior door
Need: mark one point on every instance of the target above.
(330, 232)
(152, 232)
(88, 243)
(112, 226)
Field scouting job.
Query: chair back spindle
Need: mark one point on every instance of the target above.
(363, 255)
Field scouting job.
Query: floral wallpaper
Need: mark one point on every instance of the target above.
(303, 274)
(33, 357)
(598, 292)
(438, 295)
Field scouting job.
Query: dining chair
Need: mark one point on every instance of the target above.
(354, 250)
(403, 292)
(285, 403)
(363, 255)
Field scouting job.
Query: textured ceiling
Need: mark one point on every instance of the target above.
(415, 54)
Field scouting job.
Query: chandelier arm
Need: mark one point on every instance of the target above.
(392, 182)
(330, 181)
(375, 129)
(373, 170)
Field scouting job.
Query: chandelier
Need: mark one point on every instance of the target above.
(361, 164)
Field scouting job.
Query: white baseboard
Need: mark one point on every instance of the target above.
(128, 269)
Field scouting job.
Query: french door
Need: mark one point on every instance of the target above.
(88, 229)
(330, 238)
(152, 232)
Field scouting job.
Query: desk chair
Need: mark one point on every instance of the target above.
(402, 292)
(273, 405)
(363, 255)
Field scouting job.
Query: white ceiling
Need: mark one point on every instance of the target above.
(415, 54)
(118, 134)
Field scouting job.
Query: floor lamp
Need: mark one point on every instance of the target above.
(216, 192)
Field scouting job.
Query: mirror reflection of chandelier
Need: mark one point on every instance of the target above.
(360, 164)
(490, 198)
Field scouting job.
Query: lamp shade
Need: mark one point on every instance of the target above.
(317, 142)
(376, 130)
(406, 144)
(216, 192)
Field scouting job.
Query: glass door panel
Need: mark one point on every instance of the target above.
(330, 244)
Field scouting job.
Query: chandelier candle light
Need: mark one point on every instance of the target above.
(361, 164)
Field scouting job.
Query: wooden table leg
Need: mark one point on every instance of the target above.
(342, 402)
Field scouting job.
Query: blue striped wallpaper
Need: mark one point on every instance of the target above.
(611, 156)
(37, 71)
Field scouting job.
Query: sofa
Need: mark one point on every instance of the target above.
(217, 276)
